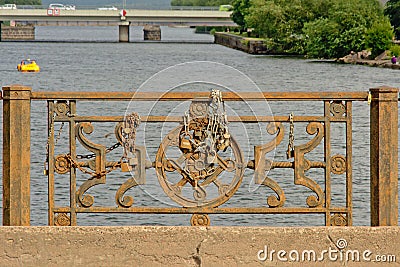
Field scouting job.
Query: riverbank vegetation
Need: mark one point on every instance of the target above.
(392, 10)
(317, 29)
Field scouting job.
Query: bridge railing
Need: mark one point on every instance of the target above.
(199, 162)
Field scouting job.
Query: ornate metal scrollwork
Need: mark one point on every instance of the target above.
(200, 220)
(62, 165)
(138, 178)
(338, 219)
(199, 165)
(195, 169)
(301, 164)
(61, 108)
(337, 109)
(261, 164)
(338, 164)
(136, 167)
(100, 164)
(62, 219)
(196, 154)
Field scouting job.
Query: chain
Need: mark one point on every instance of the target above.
(131, 123)
(217, 128)
(75, 164)
(59, 133)
(186, 120)
(290, 150)
(92, 155)
(52, 119)
(129, 136)
(216, 99)
(45, 170)
(217, 115)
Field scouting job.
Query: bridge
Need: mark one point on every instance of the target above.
(131, 17)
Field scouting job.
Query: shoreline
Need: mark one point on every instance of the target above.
(255, 46)
(382, 63)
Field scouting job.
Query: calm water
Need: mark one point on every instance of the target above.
(96, 62)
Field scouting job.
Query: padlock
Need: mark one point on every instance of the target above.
(126, 167)
(290, 153)
(223, 145)
(185, 145)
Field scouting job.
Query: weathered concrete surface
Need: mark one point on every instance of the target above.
(17, 33)
(197, 246)
(152, 32)
(248, 45)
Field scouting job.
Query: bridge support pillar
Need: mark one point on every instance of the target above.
(0, 29)
(124, 32)
(152, 33)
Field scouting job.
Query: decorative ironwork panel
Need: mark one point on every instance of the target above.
(199, 163)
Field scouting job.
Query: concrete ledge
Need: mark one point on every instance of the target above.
(199, 246)
(248, 45)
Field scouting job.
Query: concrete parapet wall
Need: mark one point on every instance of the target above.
(248, 45)
(199, 246)
(17, 33)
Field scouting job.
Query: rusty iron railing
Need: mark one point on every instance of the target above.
(199, 164)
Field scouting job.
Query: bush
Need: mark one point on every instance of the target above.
(392, 10)
(322, 29)
(321, 36)
(395, 50)
(379, 38)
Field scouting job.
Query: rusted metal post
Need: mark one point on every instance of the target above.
(384, 156)
(16, 155)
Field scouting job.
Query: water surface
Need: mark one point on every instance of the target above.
(91, 59)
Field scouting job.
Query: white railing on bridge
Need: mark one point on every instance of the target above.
(215, 8)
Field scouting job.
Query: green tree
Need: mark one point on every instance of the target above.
(281, 21)
(326, 29)
(350, 26)
(321, 31)
(240, 10)
(392, 10)
(379, 38)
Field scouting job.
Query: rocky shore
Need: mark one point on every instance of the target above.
(362, 58)
(257, 47)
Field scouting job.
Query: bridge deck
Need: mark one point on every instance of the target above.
(133, 16)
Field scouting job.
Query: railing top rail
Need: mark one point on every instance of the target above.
(182, 96)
